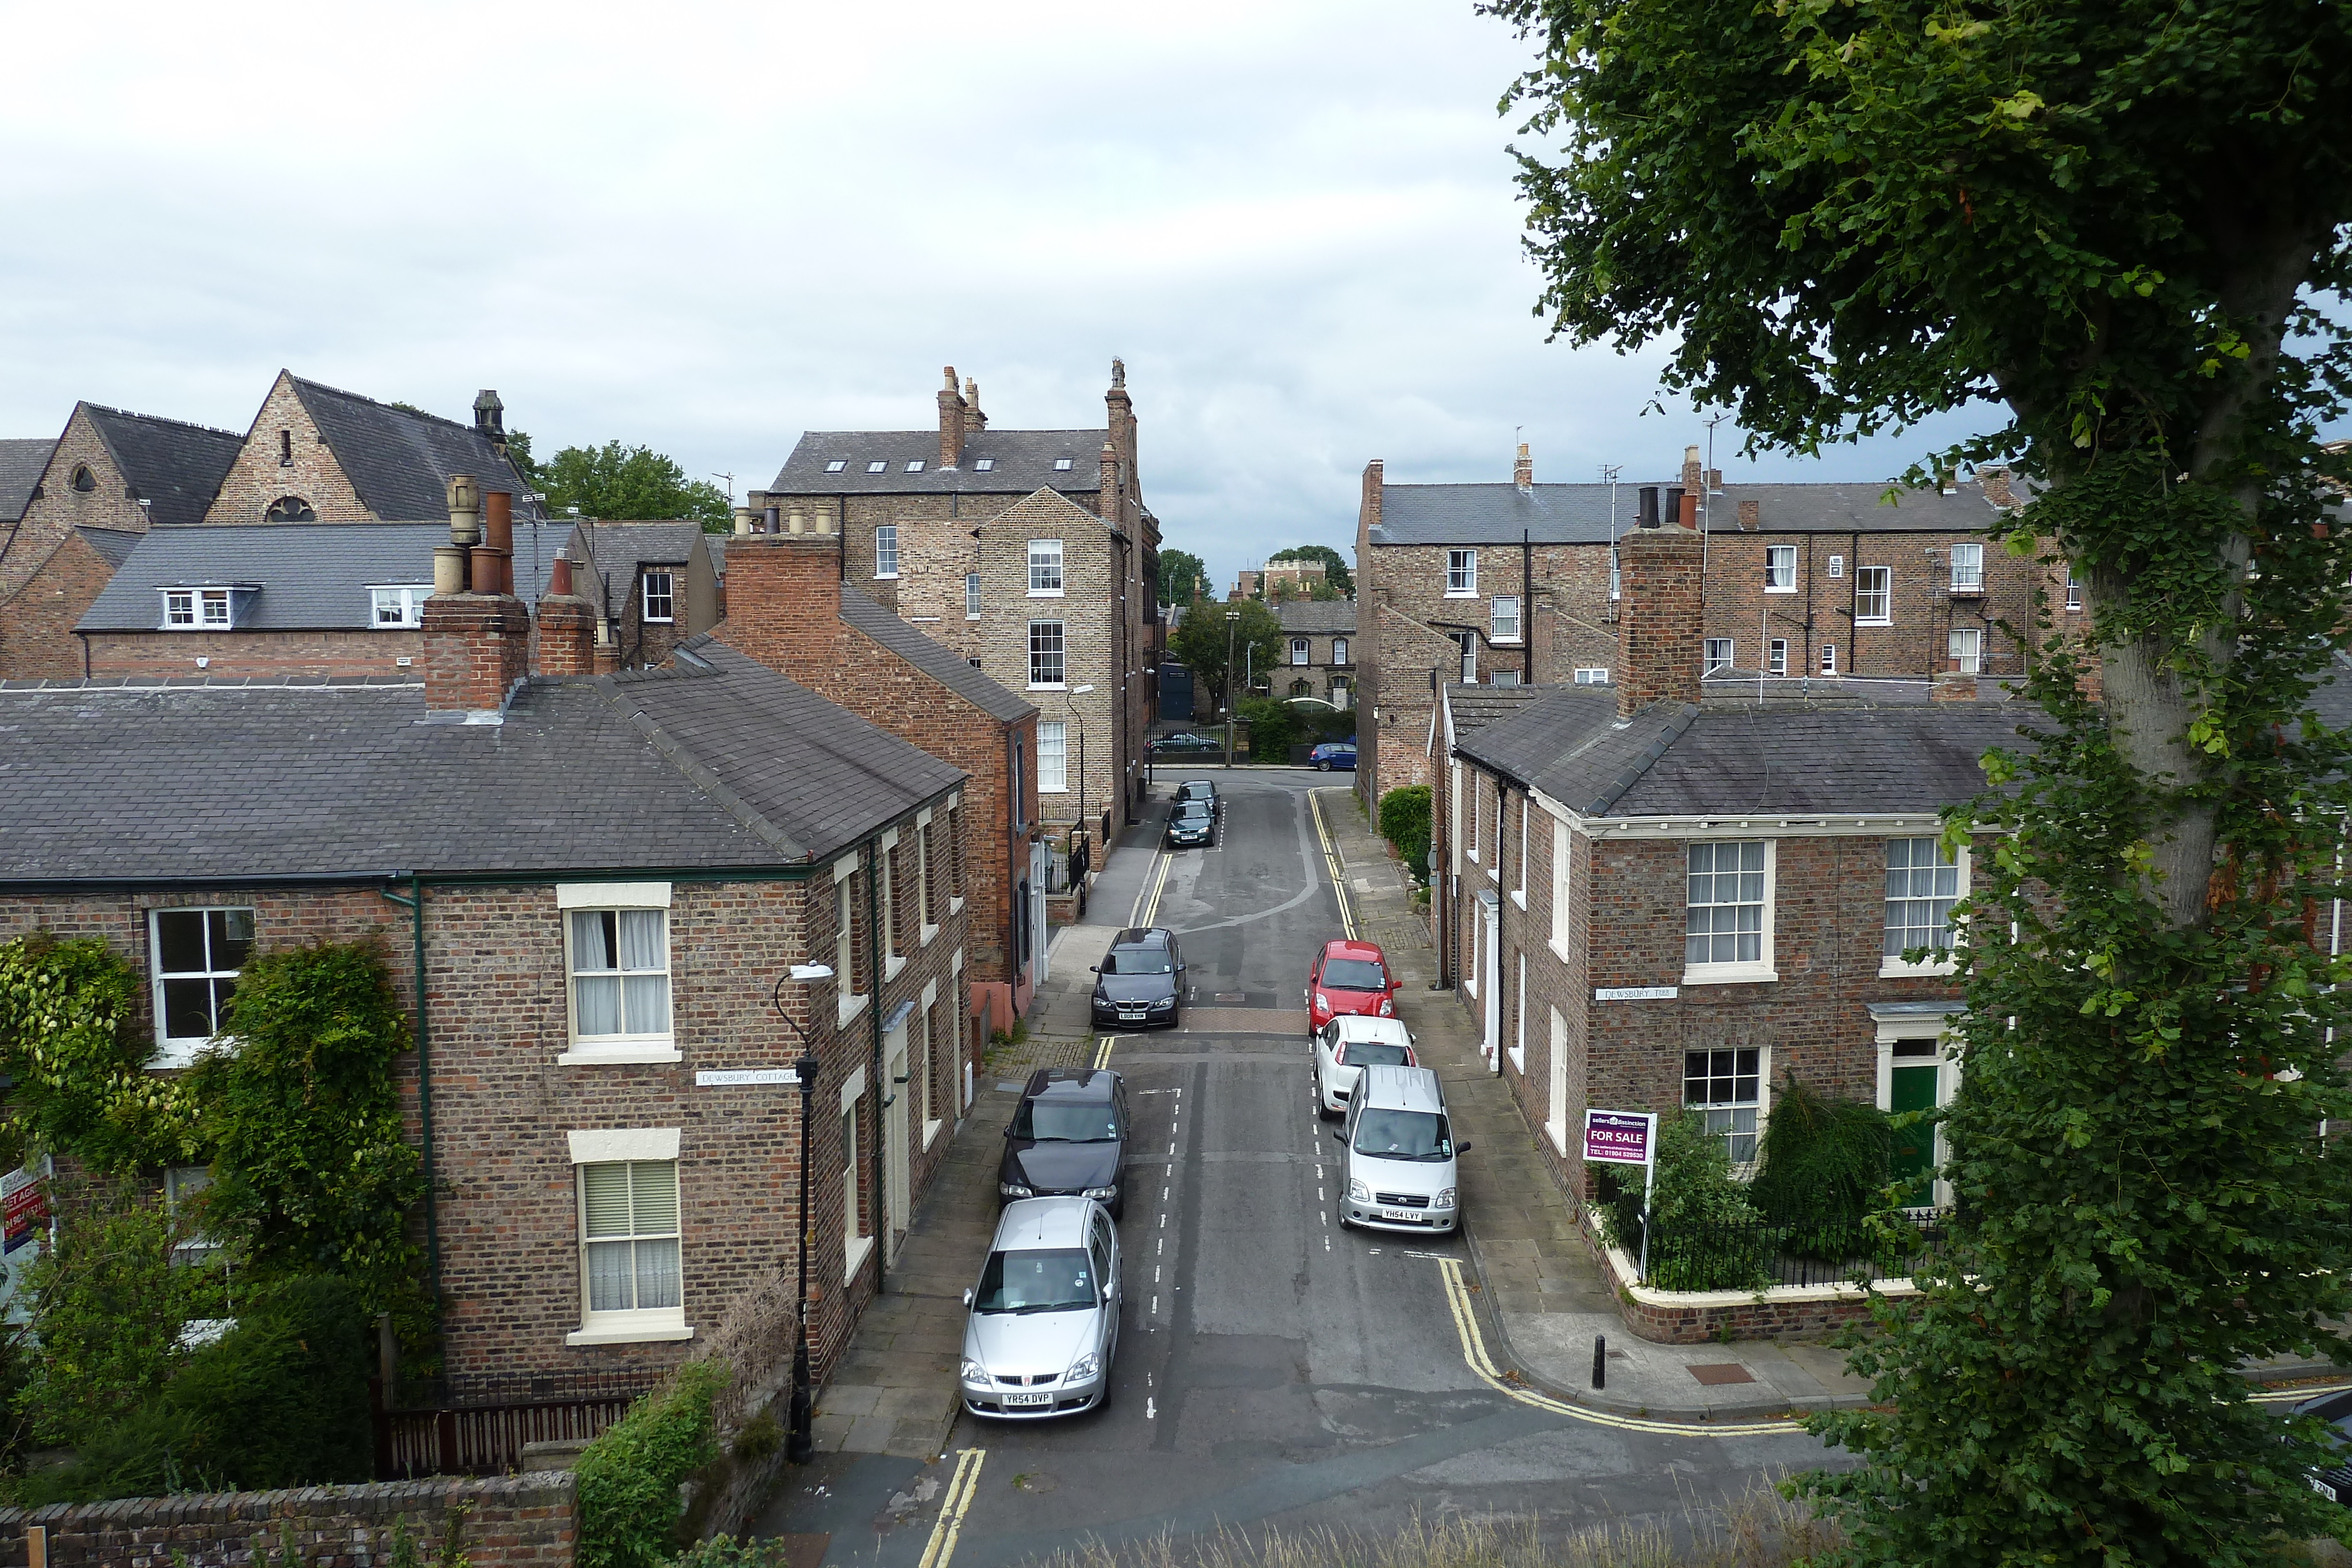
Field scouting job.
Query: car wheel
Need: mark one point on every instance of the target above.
(1322, 767)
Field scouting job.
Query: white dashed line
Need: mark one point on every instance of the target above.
(1327, 1244)
(1155, 1276)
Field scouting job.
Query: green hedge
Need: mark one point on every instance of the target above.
(1404, 822)
(628, 1478)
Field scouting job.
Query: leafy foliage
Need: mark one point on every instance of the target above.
(69, 1036)
(1404, 822)
(726, 1552)
(1199, 643)
(1335, 566)
(1705, 1235)
(628, 1478)
(628, 483)
(1821, 1166)
(2122, 221)
(1182, 577)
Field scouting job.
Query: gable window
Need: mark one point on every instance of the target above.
(1967, 568)
(916, 466)
(1829, 658)
(83, 479)
(1462, 573)
(886, 550)
(197, 609)
(1590, 675)
(1726, 1088)
(984, 465)
(1300, 648)
(1922, 885)
(1053, 756)
(1338, 650)
(289, 509)
(1727, 922)
(629, 1245)
(1046, 654)
(286, 449)
(1873, 595)
(661, 601)
(1965, 646)
(620, 976)
(1718, 655)
(392, 608)
(971, 598)
(836, 466)
(879, 465)
(1044, 567)
(1780, 569)
(197, 955)
(1776, 656)
(1061, 464)
(1507, 618)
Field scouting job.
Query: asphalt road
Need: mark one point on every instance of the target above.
(1274, 1370)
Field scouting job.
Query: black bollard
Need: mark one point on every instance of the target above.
(1600, 1361)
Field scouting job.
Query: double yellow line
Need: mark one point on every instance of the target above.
(1147, 899)
(1331, 864)
(1103, 1048)
(953, 1507)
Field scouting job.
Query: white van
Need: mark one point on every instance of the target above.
(1400, 1151)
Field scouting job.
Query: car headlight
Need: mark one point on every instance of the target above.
(1014, 1189)
(1163, 1003)
(1100, 1194)
(1085, 1367)
(1387, 1007)
(975, 1373)
(1358, 1193)
(1323, 1002)
(1444, 1199)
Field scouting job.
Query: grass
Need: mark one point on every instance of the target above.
(1759, 1529)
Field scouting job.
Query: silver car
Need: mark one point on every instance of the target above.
(1043, 1319)
(1399, 1162)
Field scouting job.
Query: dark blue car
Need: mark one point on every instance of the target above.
(1334, 754)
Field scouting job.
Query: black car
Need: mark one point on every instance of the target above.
(1196, 789)
(1177, 745)
(1191, 825)
(2336, 1409)
(1068, 1139)
(1140, 980)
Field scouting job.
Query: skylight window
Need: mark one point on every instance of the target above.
(877, 466)
(1061, 464)
(916, 466)
(836, 466)
(982, 465)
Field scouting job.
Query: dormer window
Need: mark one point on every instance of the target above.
(1061, 464)
(982, 465)
(289, 509)
(836, 466)
(83, 479)
(398, 607)
(198, 609)
(877, 466)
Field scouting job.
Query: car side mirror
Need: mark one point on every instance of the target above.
(967, 1296)
(1008, 1132)
(1180, 968)
(1105, 1292)
(1341, 1133)
(1462, 1149)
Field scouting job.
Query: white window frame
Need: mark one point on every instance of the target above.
(1520, 893)
(1460, 574)
(1730, 1108)
(181, 1183)
(856, 1241)
(1505, 678)
(1837, 566)
(1053, 756)
(206, 608)
(1891, 964)
(915, 465)
(407, 601)
(1829, 659)
(1780, 569)
(1454, 809)
(634, 1325)
(668, 597)
(984, 465)
(1967, 568)
(1498, 618)
(1883, 594)
(1302, 650)
(1338, 650)
(878, 466)
(1477, 815)
(1593, 675)
(1063, 464)
(1735, 973)
(614, 898)
(1556, 1121)
(1718, 655)
(1469, 658)
(180, 1050)
(2073, 590)
(1518, 1051)
(893, 960)
(924, 929)
(1060, 654)
(1616, 574)
(836, 466)
(1966, 643)
(1776, 656)
(972, 596)
(1563, 865)
(848, 1001)
(886, 550)
(1909, 1029)
(1045, 569)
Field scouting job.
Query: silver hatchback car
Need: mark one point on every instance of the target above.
(1043, 1319)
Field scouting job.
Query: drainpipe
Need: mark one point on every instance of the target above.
(881, 963)
(414, 904)
(1440, 769)
(1526, 608)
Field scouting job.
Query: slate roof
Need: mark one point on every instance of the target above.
(616, 550)
(310, 575)
(400, 462)
(21, 462)
(1317, 615)
(935, 659)
(1476, 707)
(174, 467)
(1024, 463)
(1580, 514)
(113, 544)
(723, 764)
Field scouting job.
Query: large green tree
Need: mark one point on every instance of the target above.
(617, 482)
(1200, 646)
(2122, 225)
(1335, 565)
(1181, 575)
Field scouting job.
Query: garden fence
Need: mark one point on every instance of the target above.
(1753, 1255)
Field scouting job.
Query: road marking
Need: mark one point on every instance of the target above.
(1473, 1351)
(1155, 1279)
(1159, 869)
(960, 1489)
(1151, 1412)
(1331, 864)
(1327, 1244)
(2295, 1395)
(1103, 1050)
(1155, 1306)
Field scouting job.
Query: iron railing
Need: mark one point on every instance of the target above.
(1739, 1255)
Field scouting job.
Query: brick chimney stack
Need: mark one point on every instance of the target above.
(1952, 686)
(784, 600)
(1694, 481)
(567, 626)
(1658, 617)
(974, 422)
(1523, 469)
(477, 633)
(1122, 431)
(951, 429)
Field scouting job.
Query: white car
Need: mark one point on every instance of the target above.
(1349, 1045)
(1043, 1322)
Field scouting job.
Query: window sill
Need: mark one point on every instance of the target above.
(1461, 593)
(969, 616)
(1728, 974)
(853, 1257)
(1874, 621)
(1502, 642)
(1895, 968)
(931, 1131)
(659, 620)
(1049, 685)
(608, 1055)
(886, 577)
(645, 1334)
(894, 966)
(1051, 790)
(843, 1012)
(1557, 1132)
(173, 1055)
(1791, 589)
(1495, 872)
(925, 939)
(955, 905)
(1518, 1060)
(1560, 952)
(1048, 593)
(1519, 897)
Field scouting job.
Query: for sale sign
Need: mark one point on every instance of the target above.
(1620, 1137)
(24, 1205)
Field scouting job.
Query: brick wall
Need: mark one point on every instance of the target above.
(37, 635)
(285, 455)
(507, 1521)
(399, 653)
(59, 509)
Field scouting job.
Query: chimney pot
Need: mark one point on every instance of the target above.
(465, 509)
(1645, 513)
(498, 529)
(746, 519)
(1523, 469)
(559, 577)
(770, 521)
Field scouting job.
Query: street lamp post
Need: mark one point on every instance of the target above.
(800, 1442)
(1233, 623)
(1079, 719)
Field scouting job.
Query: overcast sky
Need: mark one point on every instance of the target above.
(708, 228)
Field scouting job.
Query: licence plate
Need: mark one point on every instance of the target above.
(1026, 1401)
(1400, 1216)
(2324, 1490)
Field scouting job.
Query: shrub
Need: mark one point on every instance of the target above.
(726, 1552)
(1823, 1162)
(1404, 822)
(1272, 726)
(1704, 1234)
(629, 1477)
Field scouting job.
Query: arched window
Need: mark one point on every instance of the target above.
(1301, 689)
(289, 509)
(83, 479)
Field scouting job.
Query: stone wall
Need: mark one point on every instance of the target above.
(1798, 1312)
(507, 1521)
(285, 455)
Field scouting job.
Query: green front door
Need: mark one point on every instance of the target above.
(1913, 1154)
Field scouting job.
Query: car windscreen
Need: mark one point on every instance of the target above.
(1374, 1053)
(1403, 1136)
(1044, 1280)
(1354, 975)
(1137, 961)
(1066, 1121)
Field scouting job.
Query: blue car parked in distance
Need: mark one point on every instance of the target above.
(1334, 754)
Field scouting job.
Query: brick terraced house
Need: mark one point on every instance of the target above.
(1318, 649)
(1518, 584)
(791, 609)
(609, 878)
(1030, 551)
(658, 582)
